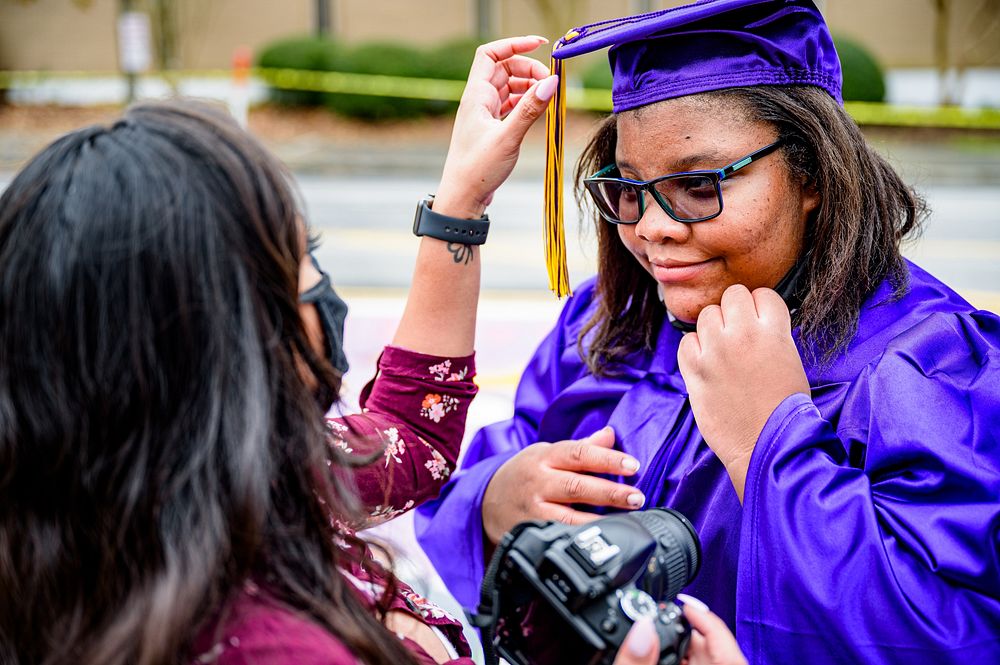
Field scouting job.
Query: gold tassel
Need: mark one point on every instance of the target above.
(555, 234)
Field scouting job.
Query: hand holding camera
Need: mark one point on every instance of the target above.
(570, 594)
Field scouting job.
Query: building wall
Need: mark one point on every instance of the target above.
(59, 34)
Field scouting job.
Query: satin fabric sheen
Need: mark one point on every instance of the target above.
(870, 530)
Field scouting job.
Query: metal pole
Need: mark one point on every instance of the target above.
(322, 18)
(484, 20)
(130, 78)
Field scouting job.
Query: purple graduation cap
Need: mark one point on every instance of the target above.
(704, 46)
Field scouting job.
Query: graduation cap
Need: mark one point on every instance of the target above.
(704, 46)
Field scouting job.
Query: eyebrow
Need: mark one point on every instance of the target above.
(686, 163)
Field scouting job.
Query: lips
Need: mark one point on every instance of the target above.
(670, 271)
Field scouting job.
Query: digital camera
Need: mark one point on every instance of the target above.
(567, 595)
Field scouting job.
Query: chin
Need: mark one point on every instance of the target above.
(683, 304)
(684, 311)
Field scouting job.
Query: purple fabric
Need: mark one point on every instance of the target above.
(711, 45)
(871, 522)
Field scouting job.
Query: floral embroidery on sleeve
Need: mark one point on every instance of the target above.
(385, 513)
(394, 447)
(434, 406)
(442, 372)
(336, 432)
(437, 464)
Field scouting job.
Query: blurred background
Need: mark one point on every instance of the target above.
(357, 98)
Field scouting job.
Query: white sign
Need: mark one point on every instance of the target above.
(134, 42)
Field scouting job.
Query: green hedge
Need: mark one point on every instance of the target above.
(450, 61)
(307, 53)
(863, 77)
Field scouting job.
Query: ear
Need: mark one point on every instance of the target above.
(810, 198)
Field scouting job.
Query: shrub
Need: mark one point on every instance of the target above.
(308, 53)
(863, 78)
(598, 75)
(388, 59)
(449, 61)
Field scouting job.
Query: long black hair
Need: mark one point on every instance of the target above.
(852, 239)
(158, 444)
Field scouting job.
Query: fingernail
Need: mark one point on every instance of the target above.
(691, 601)
(636, 500)
(642, 637)
(544, 39)
(547, 88)
(630, 464)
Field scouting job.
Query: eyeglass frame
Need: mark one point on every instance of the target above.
(716, 175)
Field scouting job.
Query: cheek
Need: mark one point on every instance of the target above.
(626, 233)
(769, 224)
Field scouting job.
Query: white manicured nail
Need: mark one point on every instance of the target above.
(641, 637)
(691, 601)
(547, 88)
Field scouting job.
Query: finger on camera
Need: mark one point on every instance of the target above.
(641, 645)
(574, 487)
(719, 644)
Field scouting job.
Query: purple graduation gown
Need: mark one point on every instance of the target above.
(870, 529)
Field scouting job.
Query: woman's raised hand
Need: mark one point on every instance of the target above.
(506, 93)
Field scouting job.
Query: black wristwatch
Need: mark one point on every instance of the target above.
(450, 229)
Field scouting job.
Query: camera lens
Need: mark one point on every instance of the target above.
(678, 552)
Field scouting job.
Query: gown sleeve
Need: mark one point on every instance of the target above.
(450, 528)
(876, 538)
(414, 411)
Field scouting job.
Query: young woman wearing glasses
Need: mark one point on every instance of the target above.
(756, 353)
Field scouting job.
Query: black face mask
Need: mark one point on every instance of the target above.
(332, 312)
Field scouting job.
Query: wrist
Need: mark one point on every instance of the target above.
(457, 208)
(454, 202)
(451, 228)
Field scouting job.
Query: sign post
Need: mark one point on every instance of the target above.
(134, 50)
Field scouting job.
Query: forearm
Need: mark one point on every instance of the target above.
(440, 314)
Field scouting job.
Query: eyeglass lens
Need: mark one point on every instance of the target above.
(687, 197)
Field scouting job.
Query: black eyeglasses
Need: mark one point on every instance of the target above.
(692, 196)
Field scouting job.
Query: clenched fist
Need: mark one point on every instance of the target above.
(739, 366)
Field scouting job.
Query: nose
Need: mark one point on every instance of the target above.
(656, 226)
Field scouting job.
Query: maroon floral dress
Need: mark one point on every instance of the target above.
(415, 410)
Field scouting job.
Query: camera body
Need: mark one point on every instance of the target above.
(563, 594)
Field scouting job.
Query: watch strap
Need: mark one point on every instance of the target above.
(426, 222)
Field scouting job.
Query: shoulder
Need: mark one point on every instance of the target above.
(889, 321)
(935, 324)
(257, 630)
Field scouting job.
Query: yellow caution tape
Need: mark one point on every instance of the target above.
(583, 99)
